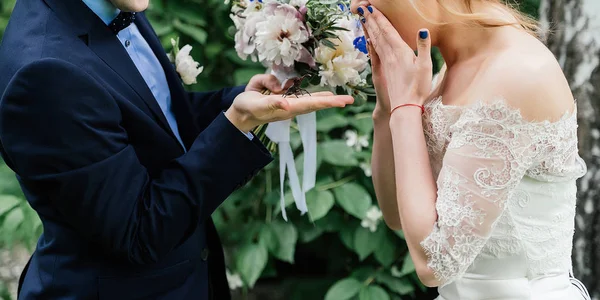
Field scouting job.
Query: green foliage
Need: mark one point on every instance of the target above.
(204, 24)
(18, 221)
(251, 223)
(6, 7)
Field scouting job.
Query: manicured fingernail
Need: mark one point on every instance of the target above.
(360, 11)
(370, 9)
(363, 19)
(423, 34)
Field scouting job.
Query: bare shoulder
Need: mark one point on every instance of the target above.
(530, 78)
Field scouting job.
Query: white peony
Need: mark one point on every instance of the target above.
(372, 219)
(280, 35)
(234, 280)
(245, 19)
(344, 64)
(185, 65)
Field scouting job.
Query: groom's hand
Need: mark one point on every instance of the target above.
(260, 82)
(251, 109)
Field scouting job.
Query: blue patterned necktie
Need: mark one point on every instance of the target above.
(122, 21)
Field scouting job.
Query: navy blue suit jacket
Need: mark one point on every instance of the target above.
(125, 210)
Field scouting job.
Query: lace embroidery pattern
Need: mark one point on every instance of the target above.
(483, 151)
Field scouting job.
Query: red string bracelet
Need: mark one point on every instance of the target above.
(409, 104)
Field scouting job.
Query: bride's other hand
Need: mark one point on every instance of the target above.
(382, 106)
(410, 74)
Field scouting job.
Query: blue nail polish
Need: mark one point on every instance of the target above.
(363, 19)
(370, 9)
(423, 34)
(360, 11)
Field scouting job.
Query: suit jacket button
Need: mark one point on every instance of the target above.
(204, 254)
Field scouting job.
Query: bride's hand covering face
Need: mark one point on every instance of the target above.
(407, 76)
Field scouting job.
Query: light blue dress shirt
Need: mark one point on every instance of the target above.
(144, 59)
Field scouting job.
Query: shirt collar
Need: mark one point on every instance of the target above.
(105, 10)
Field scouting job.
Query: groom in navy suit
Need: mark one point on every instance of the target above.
(123, 166)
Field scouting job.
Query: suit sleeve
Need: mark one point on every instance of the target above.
(63, 137)
(206, 106)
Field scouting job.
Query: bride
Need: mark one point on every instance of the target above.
(479, 171)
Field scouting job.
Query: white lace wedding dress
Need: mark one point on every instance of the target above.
(506, 202)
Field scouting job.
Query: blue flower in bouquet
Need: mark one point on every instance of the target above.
(360, 43)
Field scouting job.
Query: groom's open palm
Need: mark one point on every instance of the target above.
(251, 109)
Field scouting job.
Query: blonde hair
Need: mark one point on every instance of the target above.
(521, 20)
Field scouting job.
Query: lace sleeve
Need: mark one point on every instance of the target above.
(487, 156)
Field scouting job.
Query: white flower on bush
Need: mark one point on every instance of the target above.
(344, 64)
(372, 218)
(234, 280)
(366, 167)
(185, 65)
(356, 141)
(280, 35)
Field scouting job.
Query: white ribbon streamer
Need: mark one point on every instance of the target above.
(307, 125)
(279, 133)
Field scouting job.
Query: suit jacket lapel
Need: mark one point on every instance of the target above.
(107, 47)
(179, 97)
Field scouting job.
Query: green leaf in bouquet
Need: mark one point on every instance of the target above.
(338, 28)
(354, 199)
(330, 122)
(285, 235)
(329, 44)
(373, 292)
(344, 289)
(251, 260)
(365, 242)
(196, 33)
(402, 286)
(319, 203)
(337, 153)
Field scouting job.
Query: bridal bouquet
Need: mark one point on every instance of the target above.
(296, 39)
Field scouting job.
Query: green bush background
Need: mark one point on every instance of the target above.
(325, 254)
